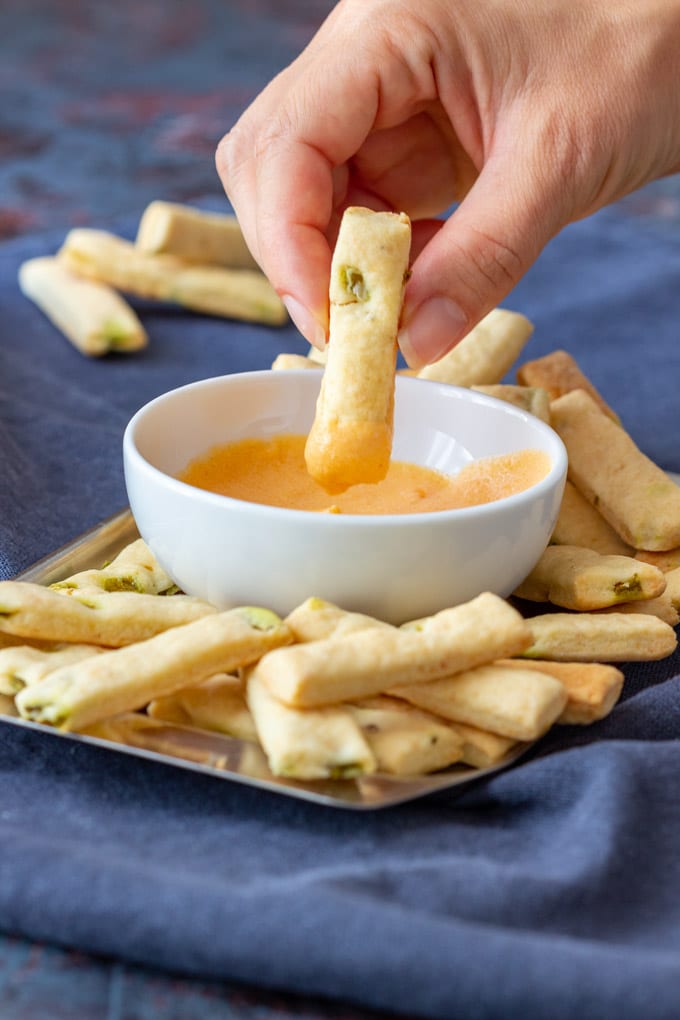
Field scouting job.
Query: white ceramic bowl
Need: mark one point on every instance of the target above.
(397, 568)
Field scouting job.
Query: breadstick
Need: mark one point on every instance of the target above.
(518, 704)
(576, 578)
(371, 661)
(579, 523)
(484, 356)
(233, 293)
(23, 665)
(351, 438)
(559, 373)
(666, 561)
(288, 362)
(309, 743)
(193, 234)
(637, 498)
(592, 688)
(533, 399)
(135, 568)
(600, 637)
(482, 749)
(90, 314)
(218, 704)
(662, 606)
(405, 740)
(128, 678)
(92, 617)
(315, 619)
(673, 586)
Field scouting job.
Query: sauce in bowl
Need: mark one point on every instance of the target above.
(273, 472)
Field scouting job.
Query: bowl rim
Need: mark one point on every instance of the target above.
(556, 471)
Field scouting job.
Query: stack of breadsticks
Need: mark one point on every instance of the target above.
(182, 255)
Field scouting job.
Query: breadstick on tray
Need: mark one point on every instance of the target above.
(662, 606)
(371, 661)
(600, 637)
(592, 688)
(209, 238)
(315, 619)
(213, 290)
(218, 704)
(559, 373)
(351, 437)
(637, 498)
(92, 617)
(533, 399)
(521, 705)
(135, 568)
(23, 665)
(579, 523)
(308, 743)
(576, 578)
(673, 586)
(90, 314)
(484, 356)
(666, 561)
(405, 740)
(481, 748)
(126, 679)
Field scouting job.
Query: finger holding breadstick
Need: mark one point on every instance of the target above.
(351, 438)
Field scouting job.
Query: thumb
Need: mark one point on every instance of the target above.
(475, 259)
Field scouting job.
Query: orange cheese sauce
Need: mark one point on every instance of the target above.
(273, 472)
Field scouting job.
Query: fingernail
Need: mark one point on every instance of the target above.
(308, 325)
(431, 330)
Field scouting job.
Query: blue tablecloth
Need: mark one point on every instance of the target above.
(548, 891)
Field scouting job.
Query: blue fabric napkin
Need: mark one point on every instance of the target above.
(549, 890)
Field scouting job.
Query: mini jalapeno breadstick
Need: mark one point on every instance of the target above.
(579, 523)
(23, 665)
(135, 568)
(373, 660)
(528, 398)
(592, 688)
(171, 228)
(521, 705)
(481, 748)
(90, 314)
(129, 678)
(673, 586)
(559, 373)
(600, 637)
(315, 619)
(308, 743)
(405, 740)
(484, 356)
(213, 290)
(662, 606)
(666, 561)
(218, 704)
(351, 438)
(290, 362)
(576, 578)
(92, 617)
(637, 498)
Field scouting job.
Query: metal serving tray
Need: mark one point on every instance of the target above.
(212, 754)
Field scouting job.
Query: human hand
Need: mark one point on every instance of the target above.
(529, 115)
